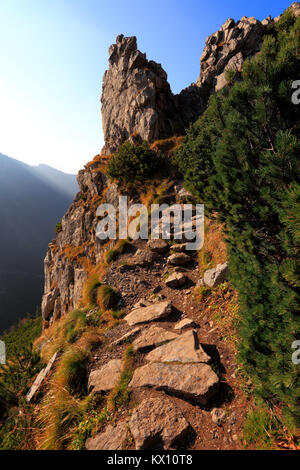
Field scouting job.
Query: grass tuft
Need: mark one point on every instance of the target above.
(107, 298)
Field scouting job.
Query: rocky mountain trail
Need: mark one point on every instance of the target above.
(196, 378)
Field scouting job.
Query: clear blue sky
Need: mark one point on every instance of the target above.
(54, 54)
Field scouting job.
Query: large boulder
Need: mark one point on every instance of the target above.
(234, 40)
(158, 420)
(185, 348)
(197, 382)
(154, 312)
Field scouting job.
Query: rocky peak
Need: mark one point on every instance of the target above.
(137, 101)
(227, 49)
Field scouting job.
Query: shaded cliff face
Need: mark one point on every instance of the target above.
(137, 104)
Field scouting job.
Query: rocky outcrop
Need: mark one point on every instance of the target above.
(137, 103)
(76, 247)
(228, 48)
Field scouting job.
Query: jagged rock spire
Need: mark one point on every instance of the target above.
(137, 101)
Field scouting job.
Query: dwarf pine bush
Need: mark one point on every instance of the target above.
(134, 163)
(241, 158)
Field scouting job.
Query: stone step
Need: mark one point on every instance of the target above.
(179, 259)
(148, 314)
(197, 382)
(158, 420)
(106, 377)
(153, 336)
(176, 280)
(185, 349)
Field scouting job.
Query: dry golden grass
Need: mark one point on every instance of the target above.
(107, 297)
(119, 396)
(220, 304)
(99, 163)
(167, 146)
(65, 405)
(214, 249)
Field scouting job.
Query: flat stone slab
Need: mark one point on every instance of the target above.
(36, 386)
(131, 334)
(185, 348)
(158, 246)
(196, 382)
(185, 323)
(179, 259)
(157, 420)
(105, 378)
(111, 439)
(151, 313)
(153, 336)
(176, 280)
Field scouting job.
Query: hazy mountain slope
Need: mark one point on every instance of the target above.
(61, 182)
(32, 200)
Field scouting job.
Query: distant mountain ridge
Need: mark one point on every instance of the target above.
(32, 200)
